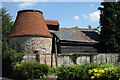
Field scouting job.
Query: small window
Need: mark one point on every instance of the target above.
(35, 52)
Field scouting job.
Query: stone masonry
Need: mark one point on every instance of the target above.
(30, 44)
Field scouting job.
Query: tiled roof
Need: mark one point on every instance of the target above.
(76, 34)
(52, 22)
(30, 22)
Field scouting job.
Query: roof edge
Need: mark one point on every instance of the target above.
(30, 10)
(32, 36)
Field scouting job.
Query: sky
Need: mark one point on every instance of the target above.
(68, 14)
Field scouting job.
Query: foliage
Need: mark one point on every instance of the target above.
(110, 73)
(52, 70)
(9, 60)
(27, 70)
(110, 26)
(9, 56)
(82, 72)
(6, 24)
(69, 72)
(37, 57)
(95, 29)
(6, 28)
(79, 54)
(15, 57)
(75, 27)
(74, 56)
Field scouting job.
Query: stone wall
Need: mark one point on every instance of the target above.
(107, 58)
(29, 44)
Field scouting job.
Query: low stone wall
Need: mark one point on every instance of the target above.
(107, 58)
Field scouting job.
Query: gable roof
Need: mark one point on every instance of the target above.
(52, 22)
(76, 34)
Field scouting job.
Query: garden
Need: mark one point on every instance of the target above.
(87, 71)
(22, 70)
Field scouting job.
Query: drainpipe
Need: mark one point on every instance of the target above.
(51, 59)
(56, 50)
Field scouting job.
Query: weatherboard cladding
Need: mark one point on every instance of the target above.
(30, 22)
(76, 34)
(74, 49)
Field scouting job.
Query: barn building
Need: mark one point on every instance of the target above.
(33, 34)
(72, 40)
(75, 40)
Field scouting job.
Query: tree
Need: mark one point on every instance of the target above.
(75, 27)
(9, 56)
(110, 26)
(6, 28)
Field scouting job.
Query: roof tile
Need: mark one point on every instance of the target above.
(30, 22)
(52, 22)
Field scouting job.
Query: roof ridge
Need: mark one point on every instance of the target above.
(76, 28)
(51, 20)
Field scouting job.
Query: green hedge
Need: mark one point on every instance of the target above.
(87, 72)
(29, 70)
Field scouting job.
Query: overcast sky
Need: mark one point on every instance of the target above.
(69, 14)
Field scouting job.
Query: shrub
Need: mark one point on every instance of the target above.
(111, 73)
(30, 70)
(69, 72)
(9, 58)
(52, 70)
(82, 72)
(37, 57)
(15, 57)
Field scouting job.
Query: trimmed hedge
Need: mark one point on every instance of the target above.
(30, 70)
